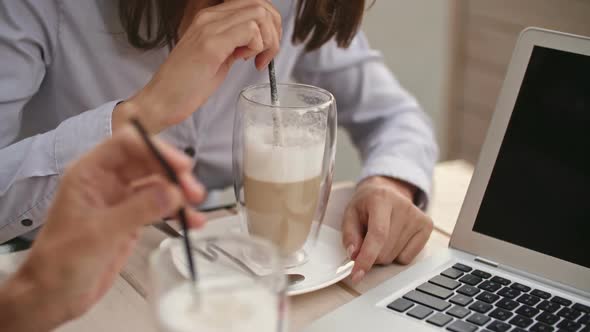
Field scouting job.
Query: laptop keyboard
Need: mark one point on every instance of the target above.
(463, 299)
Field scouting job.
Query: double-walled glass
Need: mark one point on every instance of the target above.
(241, 286)
(283, 158)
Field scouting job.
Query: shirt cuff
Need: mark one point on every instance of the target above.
(401, 169)
(78, 134)
(30, 220)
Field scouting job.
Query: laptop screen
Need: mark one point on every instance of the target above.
(538, 195)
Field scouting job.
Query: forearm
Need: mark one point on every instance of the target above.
(394, 136)
(31, 168)
(406, 156)
(24, 306)
(395, 140)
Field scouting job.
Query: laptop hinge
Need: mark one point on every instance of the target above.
(486, 261)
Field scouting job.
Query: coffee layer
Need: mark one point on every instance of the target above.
(282, 212)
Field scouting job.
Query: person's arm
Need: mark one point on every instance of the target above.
(385, 220)
(116, 189)
(26, 306)
(394, 136)
(30, 168)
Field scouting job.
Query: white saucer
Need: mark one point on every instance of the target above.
(327, 265)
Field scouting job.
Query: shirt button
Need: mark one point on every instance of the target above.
(26, 222)
(190, 151)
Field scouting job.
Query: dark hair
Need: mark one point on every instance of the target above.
(152, 24)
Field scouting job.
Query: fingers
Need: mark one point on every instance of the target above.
(128, 156)
(235, 34)
(266, 32)
(271, 41)
(398, 227)
(377, 234)
(353, 232)
(413, 220)
(178, 160)
(271, 50)
(146, 205)
(195, 219)
(415, 244)
(193, 191)
(240, 4)
(222, 21)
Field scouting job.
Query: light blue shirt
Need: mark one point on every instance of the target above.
(64, 65)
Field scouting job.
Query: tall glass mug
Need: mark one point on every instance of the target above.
(283, 159)
(241, 286)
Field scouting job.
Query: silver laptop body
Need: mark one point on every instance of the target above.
(526, 216)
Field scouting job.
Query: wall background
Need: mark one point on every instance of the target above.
(414, 37)
(488, 31)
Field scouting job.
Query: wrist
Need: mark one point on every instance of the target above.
(122, 113)
(130, 109)
(139, 108)
(404, 188)
(26, 305)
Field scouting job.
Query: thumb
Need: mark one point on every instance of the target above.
(352, 232)
(147, 205)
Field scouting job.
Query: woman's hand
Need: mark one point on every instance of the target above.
(103, 201)
(382, 225)
(198, 64)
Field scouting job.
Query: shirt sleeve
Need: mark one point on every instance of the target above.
(30, 168)
(394, 136)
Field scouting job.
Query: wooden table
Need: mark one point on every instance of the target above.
(126, 308)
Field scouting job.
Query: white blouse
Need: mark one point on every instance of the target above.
(64, 65)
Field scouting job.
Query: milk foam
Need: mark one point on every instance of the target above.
(298, 158)
(251, 308)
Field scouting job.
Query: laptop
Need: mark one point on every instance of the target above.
(519, 257)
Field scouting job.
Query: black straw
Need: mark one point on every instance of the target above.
(274, 95)
(172, 176)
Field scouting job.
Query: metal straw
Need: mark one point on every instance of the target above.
(274, 95)
(172, 176)
(274, 99)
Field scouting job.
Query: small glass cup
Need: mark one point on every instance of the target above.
(241, 286)
(283, 160)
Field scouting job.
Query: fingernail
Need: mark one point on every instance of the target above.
(350, 251)
(358, 276)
